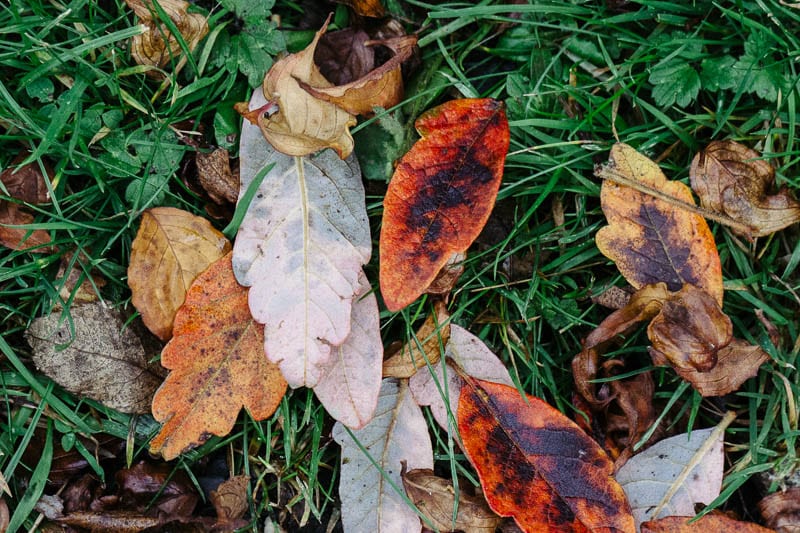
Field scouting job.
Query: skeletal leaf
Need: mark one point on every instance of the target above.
(396, 435)
(300, 249)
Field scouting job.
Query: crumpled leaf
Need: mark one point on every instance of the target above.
(217, 364)
(215, 176)
(730, 178)
(649, 476)
(781, 510)
(536, 465)
(715, 521)
(351, 381)
(300, 248)
(140, 484)
(649, 239)
(158, 46)
(230, 502)
(435, 497)
(424, 347)
(343, 57)
(21, 238)
(170, 249)
(441, 194)
(102, 358)
(381, 87)
(27, 183)
(397, 434)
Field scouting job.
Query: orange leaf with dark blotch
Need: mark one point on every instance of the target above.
(218, 365)
(651, 239)
(441, 194)
(536, 465)
(716, 522)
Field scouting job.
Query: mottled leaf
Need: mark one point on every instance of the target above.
(441, 194)
(536, 465)
(650, 239)
(396, 435)
(716, 522)
(170, 249)
(215, 176)
(300, 248)
(217, 364)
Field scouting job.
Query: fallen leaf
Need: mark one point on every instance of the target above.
(5, 515)
(381, 87)
(77, 287)
(27, 183)
(302, 124)
(441, 194)
(351, 381)
(156, 489)
(365, 8)
(716, 522)
(217, 364)
(448, 275)
(158, 45)
(397, 434)
(732, 179)
(424, 347)
(14, 235)
(435, 498)
(230, 502)
(170, 249)
(649, 239)
(536, 465)
(649, 477)
(91, 352)
(781, 510)
(343, 57)
(117, 521)
(215, 176)
(300, 248)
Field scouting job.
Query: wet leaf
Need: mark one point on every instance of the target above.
(650, 239)
(730, 178)
(674, 474)
(397, 434)
(425, 346)
(351, 381)
(365, 8)
(20, 238)
(781, 510)
(217, 364)
(215, 176)
(536, 465)
(92, 353)
(27, 183)
(435, 497)
(716, 522)
(300, 248)
(158, 46)
(434, 210)
(146, 481)
(170, 249)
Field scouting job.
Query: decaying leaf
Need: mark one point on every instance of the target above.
(215, 176)
(217, 364)
(651, 475)
(343, 57)
(91, 353)
(14, 235)
(425, 346)
(536, 465)
(170, 249)
(715, 521)
(441, 194)
(781, 510)
(397, 435)
(27, 183)
(448, 275)
(351, 380)
(76, 286)
(365, 8)
(649, 239)
(230, 502)
(435, 498)
(732, 179)
(158, 46)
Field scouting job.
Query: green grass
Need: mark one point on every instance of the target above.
(664, 77)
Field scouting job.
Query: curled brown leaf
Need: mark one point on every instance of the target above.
(781, 510)
(27, 183)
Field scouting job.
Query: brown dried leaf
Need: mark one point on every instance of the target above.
(21, 238)
(365, 8)
(27, 183)
(343, 57)
(426, 344)
(435, 498)
(215, 176)
(83, 293)
(715, 521)
(730, 178)
(117, 521)
(230, 500)
(614, 297)
(448, 275)
(781, 510)
(140, 484)
(158, 46)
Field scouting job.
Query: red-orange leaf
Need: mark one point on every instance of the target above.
(441, 194)
(218, 365)
(536, 465)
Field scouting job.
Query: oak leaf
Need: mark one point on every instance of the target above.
(14, 234)
(650, 239)
(716, 522)
(170, 249)
(731, 179)
(423, 348)
(435, 497)
(217, 362)
(92, 353)
(441, 194)
(300, 249)
(397, 435)
(536, 465)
